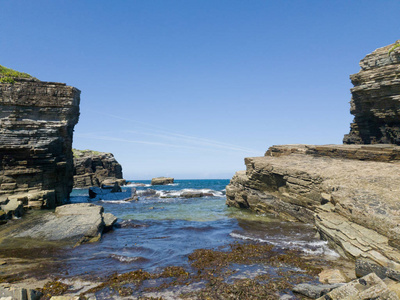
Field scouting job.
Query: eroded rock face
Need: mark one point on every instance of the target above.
(375, 101)
(37, 120)
(353, 203)
(93, 168)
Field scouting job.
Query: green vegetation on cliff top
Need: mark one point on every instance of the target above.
(9, 75)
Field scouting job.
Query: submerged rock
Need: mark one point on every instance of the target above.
(191, 195)
(162, 180)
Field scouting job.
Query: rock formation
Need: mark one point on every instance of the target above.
(375, 101)
(93, 168)
(70, 224)
(350, 192)
(36, 125)
(352, 202)
(162, 180)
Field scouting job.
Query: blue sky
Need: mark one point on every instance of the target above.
(188, 88)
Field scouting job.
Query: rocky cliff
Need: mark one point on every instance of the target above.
(375, 101)
(352, 202)
(36, 125)
(92, 168)
(349, 192)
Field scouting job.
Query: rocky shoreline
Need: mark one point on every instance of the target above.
(348, 192)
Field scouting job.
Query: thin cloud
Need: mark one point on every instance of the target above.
(155, 131)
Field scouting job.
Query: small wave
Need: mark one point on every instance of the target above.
(127, 259)
(185, 193)
(243, 237)
(137, 184)
(115, 201)
(130, 224)
(311, 248)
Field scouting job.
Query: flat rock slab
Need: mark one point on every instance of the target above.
(70, 224)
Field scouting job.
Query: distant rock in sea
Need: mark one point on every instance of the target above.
(94, 168)
(162, 180)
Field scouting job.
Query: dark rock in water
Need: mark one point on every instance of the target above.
(191, 195)
(148, 192)
(208, 195)
(92, 193)
(315, 291)
(37, 121)
(114, 188)
(133, 196)
(93, 168)
(162, 180)
(375, 100)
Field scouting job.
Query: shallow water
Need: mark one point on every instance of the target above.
(156, 232)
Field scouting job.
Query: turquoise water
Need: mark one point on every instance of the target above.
(161, 229)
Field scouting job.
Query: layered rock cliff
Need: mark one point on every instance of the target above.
(349, 192)
(92, 168)
(375, 101)
(37, 120)
(352, 202)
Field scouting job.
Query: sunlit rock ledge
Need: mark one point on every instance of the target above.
(350, 192)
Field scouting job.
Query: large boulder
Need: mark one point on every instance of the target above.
(162, 180)
(70, 224)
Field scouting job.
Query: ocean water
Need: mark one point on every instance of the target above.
(162, 229)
